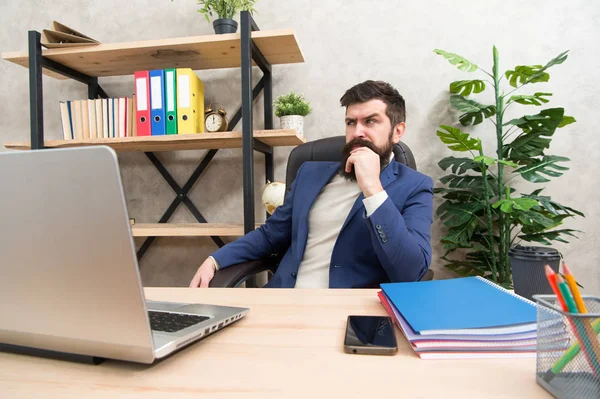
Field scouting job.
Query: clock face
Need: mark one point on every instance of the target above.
(213, 123)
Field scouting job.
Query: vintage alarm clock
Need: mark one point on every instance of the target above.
(215, 119)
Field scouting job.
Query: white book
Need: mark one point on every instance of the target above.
(122, 116)
(99, 124)
(92, 118)
(65, 120)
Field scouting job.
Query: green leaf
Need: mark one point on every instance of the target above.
(551, 206)
(489, 161)
(457, 214)
(536, 99)
(547, 166)
(468, 182)
(534, 139)
(459, 165)
(455, 194)
(457, 140)
(524, 74)
(547, 237)
(566, 120)
(510, 204)
(531, 217)
(474, 113)
(466, 87)
(461, 63)
(508, 163)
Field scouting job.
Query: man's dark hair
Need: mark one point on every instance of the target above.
(377, 90)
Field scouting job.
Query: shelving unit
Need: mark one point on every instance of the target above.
(250, 47)
(271, 138)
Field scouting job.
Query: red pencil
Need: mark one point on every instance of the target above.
(551, 276)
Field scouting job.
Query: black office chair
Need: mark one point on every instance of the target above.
(327, 149)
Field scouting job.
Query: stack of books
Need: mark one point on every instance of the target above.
(98, 118)
(466, 317)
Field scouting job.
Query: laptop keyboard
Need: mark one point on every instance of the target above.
(173, 322)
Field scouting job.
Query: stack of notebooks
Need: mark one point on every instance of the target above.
(467, 317)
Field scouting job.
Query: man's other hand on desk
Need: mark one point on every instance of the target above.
(205, 273)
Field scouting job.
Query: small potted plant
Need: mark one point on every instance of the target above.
(291, 110)
(225, 10)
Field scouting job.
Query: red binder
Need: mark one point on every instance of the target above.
(142, 103)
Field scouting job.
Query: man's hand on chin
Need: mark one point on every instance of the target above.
(367, 168)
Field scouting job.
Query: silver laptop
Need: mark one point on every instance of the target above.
(69, 279)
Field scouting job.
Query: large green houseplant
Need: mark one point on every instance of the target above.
(482, 212)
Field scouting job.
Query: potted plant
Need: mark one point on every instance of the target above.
(225, 10)
(291, 110)
(482, 211)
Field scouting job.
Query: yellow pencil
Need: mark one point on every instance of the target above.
(574, 289)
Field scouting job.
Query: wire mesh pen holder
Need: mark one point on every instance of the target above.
(568, 348)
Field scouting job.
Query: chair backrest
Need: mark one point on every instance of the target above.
(330, 149)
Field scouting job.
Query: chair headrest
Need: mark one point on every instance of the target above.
(330, 149)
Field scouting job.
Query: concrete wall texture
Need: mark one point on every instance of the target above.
(343, 42)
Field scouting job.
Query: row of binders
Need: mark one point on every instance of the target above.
(468, 317)
(99, 118)
(169, 101)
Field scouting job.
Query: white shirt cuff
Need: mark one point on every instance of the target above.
(374, 201)
(217, 267)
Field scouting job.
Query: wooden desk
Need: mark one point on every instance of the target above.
(289, 345)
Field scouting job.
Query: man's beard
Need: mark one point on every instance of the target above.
(384, 155)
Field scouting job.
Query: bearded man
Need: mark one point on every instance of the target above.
(351, 224)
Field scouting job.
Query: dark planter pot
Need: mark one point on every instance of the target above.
(223, 25)
(528, 269)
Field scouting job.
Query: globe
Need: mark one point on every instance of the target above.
(272, 196)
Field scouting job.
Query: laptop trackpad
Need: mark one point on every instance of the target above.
(166, 306)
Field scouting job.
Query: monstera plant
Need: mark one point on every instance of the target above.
(483, 215)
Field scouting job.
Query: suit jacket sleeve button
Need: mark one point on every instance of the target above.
(294, 275)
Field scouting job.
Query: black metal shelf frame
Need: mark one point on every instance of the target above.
(249, 53)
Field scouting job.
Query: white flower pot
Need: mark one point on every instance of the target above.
(292, 122)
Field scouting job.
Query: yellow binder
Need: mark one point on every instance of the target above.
(190, 102)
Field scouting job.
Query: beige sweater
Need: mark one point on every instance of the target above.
(325, 220)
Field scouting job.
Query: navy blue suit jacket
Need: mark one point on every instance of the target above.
(393, 244)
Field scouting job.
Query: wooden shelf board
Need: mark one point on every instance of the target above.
(187, 229)
(197, 52)
(273, 138)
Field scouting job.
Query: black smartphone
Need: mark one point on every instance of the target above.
(371, 335)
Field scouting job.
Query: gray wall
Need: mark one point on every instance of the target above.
(344, 42)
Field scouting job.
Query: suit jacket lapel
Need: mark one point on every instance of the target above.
(387, 175)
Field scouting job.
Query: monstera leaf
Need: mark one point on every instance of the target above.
(457, 140)
(551, 206)
(535, 138)
(468, 182)
(515, 204)
(474, 113)
(458, 165)
(545, 166)
(536, 99)
(466, 87)
(457, 214)
(460, 62)
(547, 237)
(524, 74)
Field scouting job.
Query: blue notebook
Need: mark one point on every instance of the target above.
(468, 305)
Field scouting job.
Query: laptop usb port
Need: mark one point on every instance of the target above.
(220, 325)
(206, 330)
